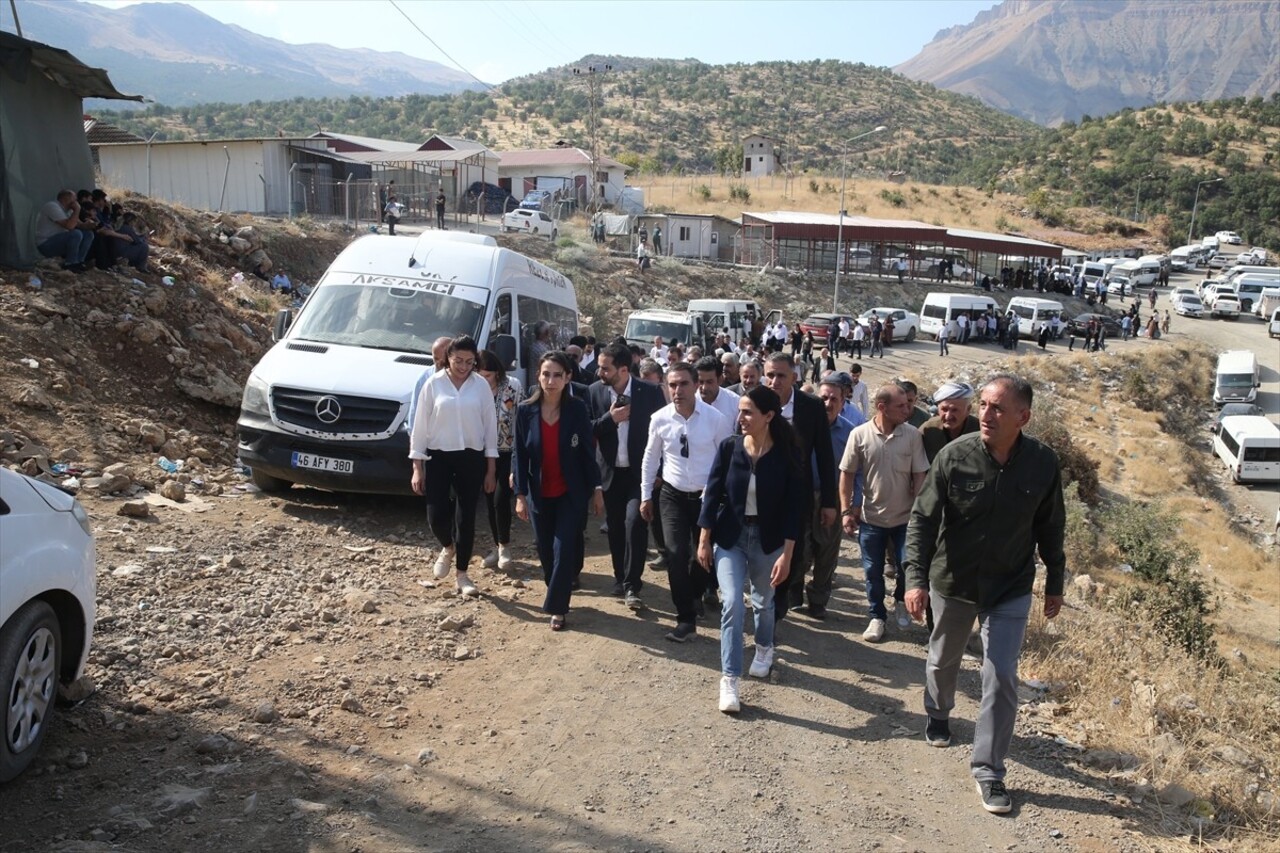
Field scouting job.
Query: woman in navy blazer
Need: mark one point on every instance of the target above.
(553, 464)
(751, 513)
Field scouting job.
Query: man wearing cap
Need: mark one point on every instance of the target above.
(823, 548)
(953, 420)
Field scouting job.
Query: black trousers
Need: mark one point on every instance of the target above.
(557, 525)
(628, 533)
(786, 595)
(499, 501)
(391, 224)
(463, 472)
(680, 530)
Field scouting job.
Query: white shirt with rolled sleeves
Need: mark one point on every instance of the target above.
(448, 418)
(705, 429)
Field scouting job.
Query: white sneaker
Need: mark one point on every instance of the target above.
(904, 618)
(466, 587)
(504, 557)
(874, 632)
(729, 703)
(763, 662)
(445, 561)
(491, 559)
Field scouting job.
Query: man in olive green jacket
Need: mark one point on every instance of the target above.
(989, 501)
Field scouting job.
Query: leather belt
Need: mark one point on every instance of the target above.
(692, 496)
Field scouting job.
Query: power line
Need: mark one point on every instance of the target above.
(439, 48)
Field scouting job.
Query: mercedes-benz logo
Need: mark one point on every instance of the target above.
(328, 410)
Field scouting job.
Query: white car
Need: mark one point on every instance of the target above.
(47, 593)
(1225, 305)
(1229, 237)
(530, 222)
(906, 325)
(1187, 305)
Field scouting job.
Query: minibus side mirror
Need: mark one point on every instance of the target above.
(284, 319)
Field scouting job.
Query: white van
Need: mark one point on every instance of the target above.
(1237, 379)
(1033, 313)
(327, 405)
(1273, 325)
(732, 317)
(1248, 289)
(938, 309)
(1249, 445)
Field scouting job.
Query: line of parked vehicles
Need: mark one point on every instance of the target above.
(1246, 441)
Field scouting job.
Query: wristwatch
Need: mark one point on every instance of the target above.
(849, 511)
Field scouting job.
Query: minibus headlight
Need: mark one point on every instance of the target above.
(256, 396)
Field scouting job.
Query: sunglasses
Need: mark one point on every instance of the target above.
(684, 445)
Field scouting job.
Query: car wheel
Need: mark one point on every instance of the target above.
(30, 659)
(911, 334)
(266, 482)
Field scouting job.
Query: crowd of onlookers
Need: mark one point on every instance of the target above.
(85, 229)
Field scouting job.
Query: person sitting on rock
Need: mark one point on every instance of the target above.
(58, 232)
(281, 283)
(130, 243)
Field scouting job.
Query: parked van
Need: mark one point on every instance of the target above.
(733, 317)
(1249, 445)
(1034, 313)
(939, 308)
(1273, 325)
(1248, 289)
(672, 326)
(1237, 379)
(327, 405)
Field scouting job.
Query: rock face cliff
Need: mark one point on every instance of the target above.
(1054, 60)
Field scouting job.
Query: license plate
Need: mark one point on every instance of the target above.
(323, 463)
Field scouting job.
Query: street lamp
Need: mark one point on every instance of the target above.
(1137, 193)
(844, 164)
(1192, 226)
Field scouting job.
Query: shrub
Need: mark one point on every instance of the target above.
(740, 192)
(1002, 223)
(704, 192)
(1077, 467)
(894, 198)
(1146, 534)
(813, 185)
(1178, 607)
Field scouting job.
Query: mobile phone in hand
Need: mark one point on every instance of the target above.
(622, 402)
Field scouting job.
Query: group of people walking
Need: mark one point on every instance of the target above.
(743, 494)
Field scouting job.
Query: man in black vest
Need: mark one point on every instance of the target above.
(621, 407)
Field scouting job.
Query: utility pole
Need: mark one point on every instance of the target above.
(593, 75)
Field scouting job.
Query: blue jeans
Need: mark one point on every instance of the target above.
(873, 541)
(72, 246)
(734, 567)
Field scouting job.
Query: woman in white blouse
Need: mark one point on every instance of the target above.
(453, 443)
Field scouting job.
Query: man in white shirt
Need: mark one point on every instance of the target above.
(859, 338)
(962, 326)
(724, 401)
(58, 232)
(859, 396)
(683, 437)
(845, 341)
(659, 351)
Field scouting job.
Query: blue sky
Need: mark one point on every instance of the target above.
(496, 40)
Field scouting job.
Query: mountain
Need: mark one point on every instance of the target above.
(174, 54)
(1056, 60)
(657, 116)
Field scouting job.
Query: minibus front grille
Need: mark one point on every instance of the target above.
(424, 360)
(316, 348)
(333, 413)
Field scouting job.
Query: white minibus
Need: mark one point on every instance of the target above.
(1033, 313)
(1237, 379)
(1249, 445)
(939, 308)
(326, 406)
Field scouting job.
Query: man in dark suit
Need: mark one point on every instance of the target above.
(621, 407)
(808, 418)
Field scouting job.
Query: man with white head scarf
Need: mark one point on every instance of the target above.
(953, 420)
